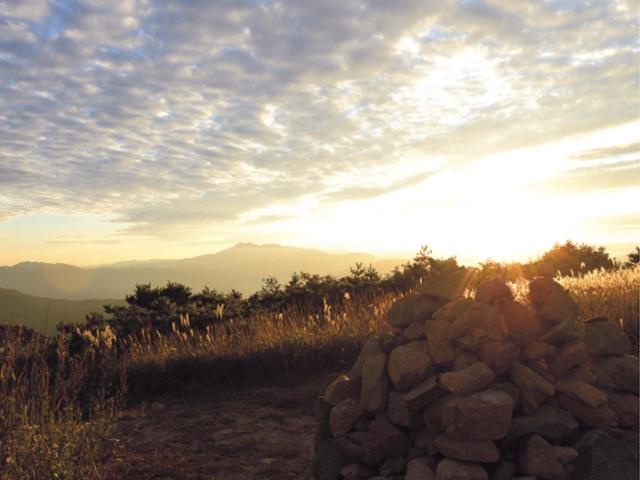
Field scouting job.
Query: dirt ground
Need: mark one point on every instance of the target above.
(254, 434)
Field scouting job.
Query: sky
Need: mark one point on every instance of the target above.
(167, 129)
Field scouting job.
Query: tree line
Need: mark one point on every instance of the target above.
(156, 308)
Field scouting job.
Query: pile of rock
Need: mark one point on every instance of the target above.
(481, 388)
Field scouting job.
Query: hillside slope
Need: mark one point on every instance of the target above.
(241, 267)
(43, 314)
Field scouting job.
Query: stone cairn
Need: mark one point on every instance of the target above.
(472, 389)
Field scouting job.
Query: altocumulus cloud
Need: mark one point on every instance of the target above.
(167, 114)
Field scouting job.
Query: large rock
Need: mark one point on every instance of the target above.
(500, 356)
(476, 325)
(415, 331)
(453, 309)
(328, 461)
(341, 388)
(552, 423)
(562, 332)
(552, 302)
(480, 416)
(569, 356)
(441, 349)
(357, 471)
(409, 364)
(384, 440)
(449, 469)
(447, 286)
(538, 459)
(493, 291)
(415, 307)
(626, 407)
(602, 457)
(481, 451)
(424, 393)
(472, 379)
(616, 373)
(534, 389)
(606, 338)
(581, 391)
(522, 323)
(374, 383)
(344, 416)
(419, 469)
(433, 414)
(601, 417)
(399, 413)
(372, 345)
(536, 350)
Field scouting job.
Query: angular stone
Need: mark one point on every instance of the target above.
(464, 360)
(449, 469)
(409, 364)
(371, 346)
(389, 341)
(508, 388)
(583, 372)
(419, 469)
(481, 451)
(398, 412)
(493, 291)
(344, 416)
(537, 458)
(342, 388)
(412, 308)
(533, 388)
(453, 309)
(469, 380)
(478, 324)
(536, 350)
(448, 285)
(375, 383)
(500, 356)
(384, 440)
(393, 466)
(357, 471)
(626, 407)
(602, 457)
(441, 349)
(352, 448)
(425, 440)
(504, 471)
(522, 323)
(321, 409)
(581, 391)
(328, 461)
(606, 338)
(562, 332)
(569, 356)
(552, 302)
(616, 373)
(601, 417)
(415, 331)
(565, 454)
(480, 416)
(554, 424)
(432, 415)
(424, 393)
(541, 367)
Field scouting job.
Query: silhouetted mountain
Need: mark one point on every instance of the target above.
(241, 267)
(43, 314)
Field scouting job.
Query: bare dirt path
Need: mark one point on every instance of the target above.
(256, 434)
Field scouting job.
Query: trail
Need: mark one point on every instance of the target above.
(259, 434)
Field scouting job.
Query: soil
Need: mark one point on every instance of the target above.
(259, 434)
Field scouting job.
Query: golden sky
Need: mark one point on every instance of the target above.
(482, 128)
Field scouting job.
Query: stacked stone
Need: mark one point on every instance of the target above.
(472, 389)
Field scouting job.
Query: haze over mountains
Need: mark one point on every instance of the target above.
(241, 267)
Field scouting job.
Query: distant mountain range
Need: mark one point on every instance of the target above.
(241, 267)
(43, 314)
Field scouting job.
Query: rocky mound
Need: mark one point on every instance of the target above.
(482, 388)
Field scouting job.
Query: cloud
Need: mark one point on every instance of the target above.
(170, 116)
